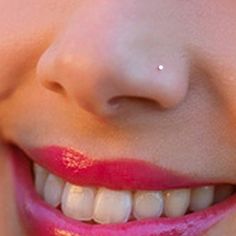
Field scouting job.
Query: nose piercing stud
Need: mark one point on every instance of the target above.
(160, 67)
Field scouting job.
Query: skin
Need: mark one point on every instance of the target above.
(95, 67)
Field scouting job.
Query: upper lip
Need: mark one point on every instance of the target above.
(119, 173)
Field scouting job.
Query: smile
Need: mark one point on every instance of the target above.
(68, 194)
(106, 206)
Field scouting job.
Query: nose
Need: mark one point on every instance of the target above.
(102, 67)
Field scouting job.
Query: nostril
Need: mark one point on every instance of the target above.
(115, 102)
(135, 100)
(55, 87)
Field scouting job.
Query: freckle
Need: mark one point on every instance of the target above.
(160, 67)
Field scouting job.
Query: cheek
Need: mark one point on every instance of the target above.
(11, 226)
(26, 28)
(14, 44)
(217, 63)
(223, 79)
(224, 227)
(6, 201)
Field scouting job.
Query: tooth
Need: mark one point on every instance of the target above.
(176, 202)
(78, 202)
(148, 204)
(201, 198)
(222, 192)
(40, 178)
(112, 206)
(53, 190)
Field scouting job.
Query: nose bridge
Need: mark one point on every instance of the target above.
(93, 66)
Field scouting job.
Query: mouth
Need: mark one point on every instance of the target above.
(60, 192)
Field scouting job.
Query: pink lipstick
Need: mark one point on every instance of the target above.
(121, 173)
(40, 219)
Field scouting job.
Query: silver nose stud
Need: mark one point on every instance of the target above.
(160, 67)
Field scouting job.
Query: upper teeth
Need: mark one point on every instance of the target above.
(106, 206)
(78, 202)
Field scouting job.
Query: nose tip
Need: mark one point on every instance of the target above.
(100, 84)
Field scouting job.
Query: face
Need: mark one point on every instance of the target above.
(124, 88)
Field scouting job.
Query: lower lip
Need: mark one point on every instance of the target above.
(39, 219)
